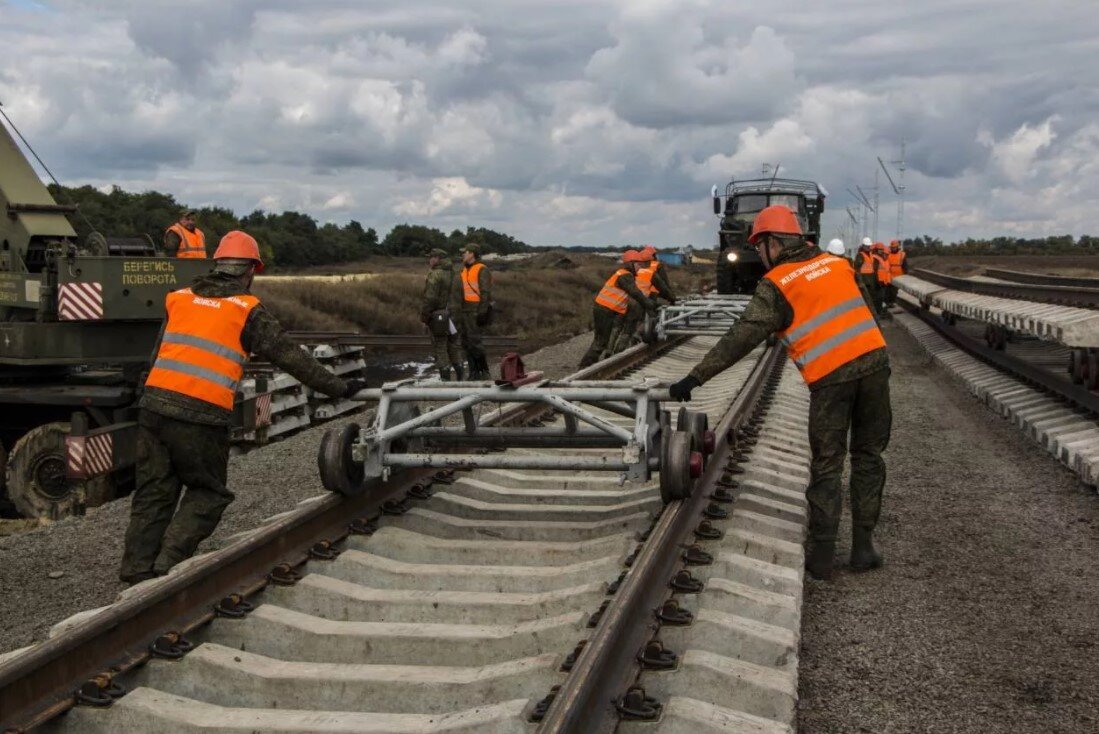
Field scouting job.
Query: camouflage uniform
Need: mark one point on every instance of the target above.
(442, 290)
(855, 396)
(604, 320)
(184, 442)
(471, 331)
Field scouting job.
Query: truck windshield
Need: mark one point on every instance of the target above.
(791, 200)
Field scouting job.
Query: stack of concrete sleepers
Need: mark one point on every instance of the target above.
(1067, 325)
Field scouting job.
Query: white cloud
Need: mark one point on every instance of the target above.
(448, 195)
(1016, 155)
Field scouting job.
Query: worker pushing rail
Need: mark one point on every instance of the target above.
(183, 438)
(612, 303)
(812, 301)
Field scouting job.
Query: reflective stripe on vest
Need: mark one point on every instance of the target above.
(611, 296)
(832, 324)
(471, 291)
(896, 261)
(200, 354)
(645, 280)
(884, 276)
(191, 244)
(866, 265)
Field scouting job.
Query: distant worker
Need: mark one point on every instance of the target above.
(649, 283)
(611, 305)
(476, 310)
(898, 266)
(866, 265)
(438, 310)
(885, 278)
(185, 410)
(184, 239)
(835, 247)
(812, 301)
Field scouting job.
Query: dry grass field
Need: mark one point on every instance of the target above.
(1080, 266)
(540, 301)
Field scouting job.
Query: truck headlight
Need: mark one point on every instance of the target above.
(731, 257)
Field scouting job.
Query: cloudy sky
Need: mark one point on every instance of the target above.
(568, 122)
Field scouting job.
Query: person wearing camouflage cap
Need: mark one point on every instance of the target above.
(438, 309)
(476, 309)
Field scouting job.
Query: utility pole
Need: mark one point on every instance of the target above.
(877, 194)
(898, 189)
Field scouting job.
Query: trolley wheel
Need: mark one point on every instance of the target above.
(648, 329)
(675, 466)
(339, 471)
(36, 481)
(403, 412)
(696, 424)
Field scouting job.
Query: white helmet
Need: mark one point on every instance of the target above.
(835, 247)
(867, 242)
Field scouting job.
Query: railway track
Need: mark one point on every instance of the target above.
(475, 601)
(1041, 290)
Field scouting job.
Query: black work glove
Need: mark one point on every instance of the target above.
(482, 319)
(681, 390)
(672, 300)
(353, 386)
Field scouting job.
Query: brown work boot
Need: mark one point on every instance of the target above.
(863, 555)
(818, 561)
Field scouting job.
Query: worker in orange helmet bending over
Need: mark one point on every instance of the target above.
(813, 303)
(187, 403)
(611, 304)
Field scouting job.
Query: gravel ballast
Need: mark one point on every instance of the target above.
(984, 616)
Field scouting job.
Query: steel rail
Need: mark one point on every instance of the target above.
(1078, 396)
(607, 665)
(1060, 295)
(355, 339)
(1016, 276)
(40, 683)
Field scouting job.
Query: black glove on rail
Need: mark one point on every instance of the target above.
(681, 390)
(353, 386)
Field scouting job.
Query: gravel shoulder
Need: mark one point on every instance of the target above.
(983, 618)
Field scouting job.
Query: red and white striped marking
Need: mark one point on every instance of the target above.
(80, 302)
(263, 410)
(90, 456)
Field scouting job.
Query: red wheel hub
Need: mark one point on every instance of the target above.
(709, 442)
(696, 464)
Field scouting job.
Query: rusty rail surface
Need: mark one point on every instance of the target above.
(605, 669)
(45, 681)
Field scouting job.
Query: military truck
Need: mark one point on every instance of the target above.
(78, 323)
(738, 267)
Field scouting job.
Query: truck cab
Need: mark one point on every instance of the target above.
(738, 267)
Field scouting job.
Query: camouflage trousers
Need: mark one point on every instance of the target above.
(625, 328)
(171, 455)
(472, 341)
(870, 283)
(446, 350)
(860, 407)
(604, 321)
(890, 295)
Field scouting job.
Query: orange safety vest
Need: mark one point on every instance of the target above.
(200, 354)
(896, 263)
(611, 296)
(644, 280)
(191, 244)
(832, 324)
(884, 276)
(866, 264)
(470, 291)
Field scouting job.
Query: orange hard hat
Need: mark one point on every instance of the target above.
(633, 256)
(648, 251)
(239, 245)
(879, 245)
(775, 219)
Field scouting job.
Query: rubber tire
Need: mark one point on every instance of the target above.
(675, 467)
(338, 471)
(40, 444)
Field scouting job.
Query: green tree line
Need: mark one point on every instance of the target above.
(1053, 245)
(289, 239)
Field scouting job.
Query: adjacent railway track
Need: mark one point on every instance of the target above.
(457, 601)
(1081, 296)
(1040, 279)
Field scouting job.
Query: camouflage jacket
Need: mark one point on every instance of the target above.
(769, 312)
(484, 287)
(663, 283)
(442, 289)
(262, 335)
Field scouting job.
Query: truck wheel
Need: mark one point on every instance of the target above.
(36, 483)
